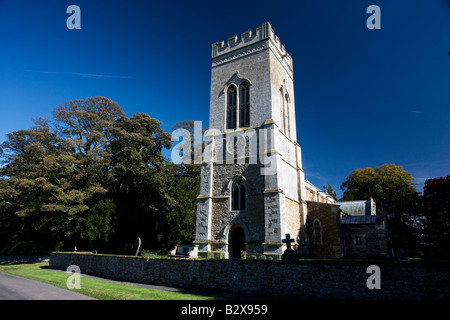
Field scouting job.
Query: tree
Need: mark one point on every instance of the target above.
(93, 178)
(436, 206)
(393, 190)
(185, 188)
(141, 181)
(86, 127)
(331, 192)
(96, 227)
(36, 184)
(57, 170)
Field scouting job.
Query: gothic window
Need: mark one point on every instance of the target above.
(317, 232)
(244, 104)
(231, 107)
(235, 197)
(285, 102)
(238, 195)
(238, 105)
(242, 196)
(286, 115)
(282, 116)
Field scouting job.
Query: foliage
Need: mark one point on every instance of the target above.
(97, 225)
(393, 190)
(93, 178)
(184, 189)
(140, 180)
(331, 192)
(436, 205)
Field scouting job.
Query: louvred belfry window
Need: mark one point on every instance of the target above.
(231, 107)
(244, 104)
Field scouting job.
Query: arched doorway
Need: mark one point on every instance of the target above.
(237, 242)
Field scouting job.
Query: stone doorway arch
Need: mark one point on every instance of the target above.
(236, 242)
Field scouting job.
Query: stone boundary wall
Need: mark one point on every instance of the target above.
(22, 259)
(304, 279)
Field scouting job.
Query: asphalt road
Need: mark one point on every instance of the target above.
(18, 288)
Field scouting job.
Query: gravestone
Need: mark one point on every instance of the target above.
(136, 247)
(288, 254)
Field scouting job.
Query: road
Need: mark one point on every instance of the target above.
(18, 288)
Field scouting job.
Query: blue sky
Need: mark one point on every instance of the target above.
(363, 97)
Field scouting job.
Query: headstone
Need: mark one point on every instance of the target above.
(136, 247)
(288, 254)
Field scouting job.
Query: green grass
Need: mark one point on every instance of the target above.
(99, 289)
(149, 254)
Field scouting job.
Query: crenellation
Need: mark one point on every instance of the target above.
(233, 41)
(263, 32)
(247, 36)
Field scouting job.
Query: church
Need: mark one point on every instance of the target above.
(253, 192)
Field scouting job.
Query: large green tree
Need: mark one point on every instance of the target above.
(37, 186)
(185, 187)
(141, 179)
(393, 190)
(93, 178)
(54, 173)
(436, 209)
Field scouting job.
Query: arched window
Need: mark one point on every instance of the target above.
(317, 232)
(237, 101)
(242, 196)
(231, 107)
(286, 115)
(238, 195)
(235, 197)
(244, 104)
(283, 112)
(284, 106)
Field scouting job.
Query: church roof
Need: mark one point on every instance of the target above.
(359, 219)
(358, 207)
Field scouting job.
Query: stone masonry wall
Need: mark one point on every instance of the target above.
(306, 279)
(329, 244)
(373, 242)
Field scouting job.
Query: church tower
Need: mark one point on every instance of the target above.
(252, 183)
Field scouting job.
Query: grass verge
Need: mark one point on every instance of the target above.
(99, 289)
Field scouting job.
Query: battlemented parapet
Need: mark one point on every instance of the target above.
(235, 48)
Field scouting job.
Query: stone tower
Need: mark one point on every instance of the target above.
(252, 183)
